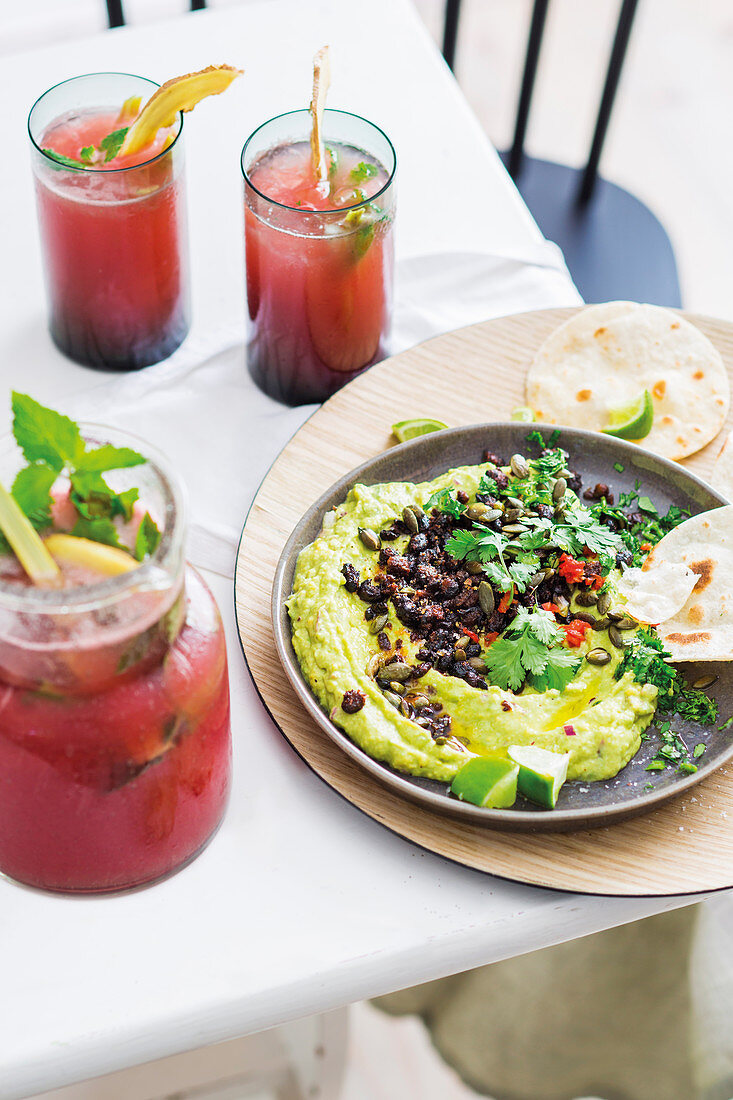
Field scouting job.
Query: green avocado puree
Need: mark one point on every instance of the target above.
(334, 647)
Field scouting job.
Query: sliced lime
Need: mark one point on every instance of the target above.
(632, 421)
(524, 413)
(411, 429)
(489, 781)
(541, 773)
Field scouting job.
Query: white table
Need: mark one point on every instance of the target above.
(300, 904)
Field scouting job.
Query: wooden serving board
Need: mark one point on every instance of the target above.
(469, 376)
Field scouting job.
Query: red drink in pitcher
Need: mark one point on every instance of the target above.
(113, 231)
(115, 743)
(319, 254)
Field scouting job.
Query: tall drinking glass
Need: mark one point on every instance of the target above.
(319, 256)
(113, 236)
(115, 743)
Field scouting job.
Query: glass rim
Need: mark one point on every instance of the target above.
(90, 167)
(319, 213)
(90, 597)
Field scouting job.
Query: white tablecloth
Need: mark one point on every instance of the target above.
(300, 903)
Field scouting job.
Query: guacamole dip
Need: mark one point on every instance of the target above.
(471, 613)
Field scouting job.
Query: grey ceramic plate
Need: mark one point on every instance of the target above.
(580, 805)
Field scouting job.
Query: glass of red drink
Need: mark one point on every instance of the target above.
(113, 235)
(319, 255)
(115, 743)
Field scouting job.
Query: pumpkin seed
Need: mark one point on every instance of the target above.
(703, 682)
(486, 600)
(615, 616)
(373, 665)
(396, 671)
(463, 641)
(602, 623)
(398, 689)
(511, 515)
(536, 578)
(626, 623)
(424, 722)
(370, 539)
(558, 489)
(586, 599)
(393, 699)
(604, 602)
(474, 568)
(616, 637)
(476, 512)
(519, 466)
(410, 521)
(376, 626)
(491, 515)
(417, 510)
(419, 701)
(477, 664)
(598, 656)
(406, 709)
(515, 502)
(585, 617)
(515, 529)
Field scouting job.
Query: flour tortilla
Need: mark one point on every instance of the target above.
(655, 595)
(703, 629)
(722, 476)
(605, 356)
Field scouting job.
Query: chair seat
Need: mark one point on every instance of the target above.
(614, 246)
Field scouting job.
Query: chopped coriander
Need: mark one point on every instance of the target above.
(645, 659)
(655, 766)
(445, 500)
(646, 505)
(698, 750)
(727, 724)
(687, 768)
(364, 171)
(619, 467)
(530, 649)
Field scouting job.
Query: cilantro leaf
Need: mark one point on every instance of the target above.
(504, 663)
(522, 572)
(148, 537)
(32, 491)
(112, 143)
(561, 667)
(44, 435)
(108, 457)
(363, 171)
(645, 657)
(498, 575)
(445, 501)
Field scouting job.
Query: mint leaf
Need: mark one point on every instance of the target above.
(148, 537)
(363, 171)
(127, 502)
(32, 491)
(44, 435)
(68, 162)
(86, 154)
(112, 143)
(108, 457)
(101, 529)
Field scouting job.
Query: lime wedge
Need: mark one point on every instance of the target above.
(541, 773)
(411, 429)
(524, 413)
(489, 781)
(632, 421)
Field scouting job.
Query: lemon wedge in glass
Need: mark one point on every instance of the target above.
(632, 421)
(411, 429)
(541, 773)
(108, 561)
(488, 781)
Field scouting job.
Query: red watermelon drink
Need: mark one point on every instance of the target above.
(113, 228)
(319, 254)
(115, 748)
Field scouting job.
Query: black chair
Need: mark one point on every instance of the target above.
(116, 14)
(614, 246)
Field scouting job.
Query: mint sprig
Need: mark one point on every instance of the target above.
(53, 445)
